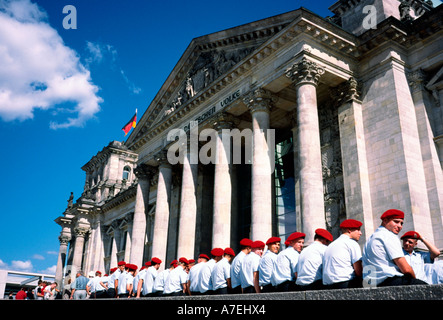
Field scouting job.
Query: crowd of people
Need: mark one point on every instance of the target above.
(326, 263)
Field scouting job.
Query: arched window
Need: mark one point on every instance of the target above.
(126, 172)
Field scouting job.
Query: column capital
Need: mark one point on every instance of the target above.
(144, 171)
(223, 120)
(305, 71)
(346, 91)
(64, 239)
(162, 158)
(260, 100)
(81, 231)
(416, 79)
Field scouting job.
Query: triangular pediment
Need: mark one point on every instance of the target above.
(207, 59)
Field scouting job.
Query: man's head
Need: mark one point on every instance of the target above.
(155, 262)
(392, 220)
(351, 228)
(273, 244)
(257, 247)
(410, 240)
(297, 240)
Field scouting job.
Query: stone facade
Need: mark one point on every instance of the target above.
(348, 119)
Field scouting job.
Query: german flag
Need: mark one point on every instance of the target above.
(131, 124)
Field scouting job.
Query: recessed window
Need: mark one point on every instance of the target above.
(126, 172)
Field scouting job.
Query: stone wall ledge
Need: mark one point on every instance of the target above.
(422, 292)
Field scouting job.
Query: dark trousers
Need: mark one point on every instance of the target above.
(221, 291)
(249, 289)
(268, 288)
(286, 286)
(316, 285)
(236, 290)
(353, 283)
(110, 293)
(401, 281)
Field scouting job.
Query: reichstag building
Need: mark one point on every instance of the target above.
(332, 118)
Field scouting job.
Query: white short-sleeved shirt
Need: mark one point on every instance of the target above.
(149, 279)
(310, 264)
(193, 277)
(285, 266)
(204, 279)
(174, 281)
(417, 260)
(123, 280)
(235, 269)
(137, 277)
(220, 273)
(248, 267)
(381, 248)
(339, 259)
(159, 283)
(266, 267)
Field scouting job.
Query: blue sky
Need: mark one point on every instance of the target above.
(118, 58)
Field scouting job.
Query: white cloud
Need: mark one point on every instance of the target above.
(3, 265)
(37, 70)
(49, 270)
(21, 265)
(38, 257)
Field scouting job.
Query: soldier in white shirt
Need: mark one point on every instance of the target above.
(159, 283)
(176, 282)
(146, 282)
(310, 262)
(383, 258)
(249, 275)
(267, 264)
(194, 274)
(245, 249)
(97, 289)
(419, 261)
(342, 267)
(205, 281)
(285, 272)
(221, 273)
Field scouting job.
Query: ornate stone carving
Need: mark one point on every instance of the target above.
(346, 91)
(224, 120)
(144, 171)
(416, 79)
(260, 100)
(305, 71)
(81, 231)
(64, 240)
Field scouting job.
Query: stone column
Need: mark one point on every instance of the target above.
(143, 173)
(188, 204)
(161, 222)
(260, 102)
(221, 223)
(353, 150)
(80, 233)
(64, 241)
(305, 76)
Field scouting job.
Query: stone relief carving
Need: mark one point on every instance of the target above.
(209, 66)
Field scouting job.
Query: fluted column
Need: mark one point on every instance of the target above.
(80, 233)
(305, 76)
(221, 223)
(64, 241)
(353, 151)
(260, 102)
(144, 174)
(161, 222)
(188, 204)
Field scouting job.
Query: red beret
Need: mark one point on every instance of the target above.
(156, 260)
(113, 270)
(411, 234)
(246, 242)
(393, 214)
(131, 266)
(203, 256)
(229, 251)
(273, 240)
(98, 272)
(183, 260)
(148, 264)
(191, 261)
(217, 252)
(325, 234)
(121, 263)
(351, 224)
(173, 262)
(258, 244)
(296, 235)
